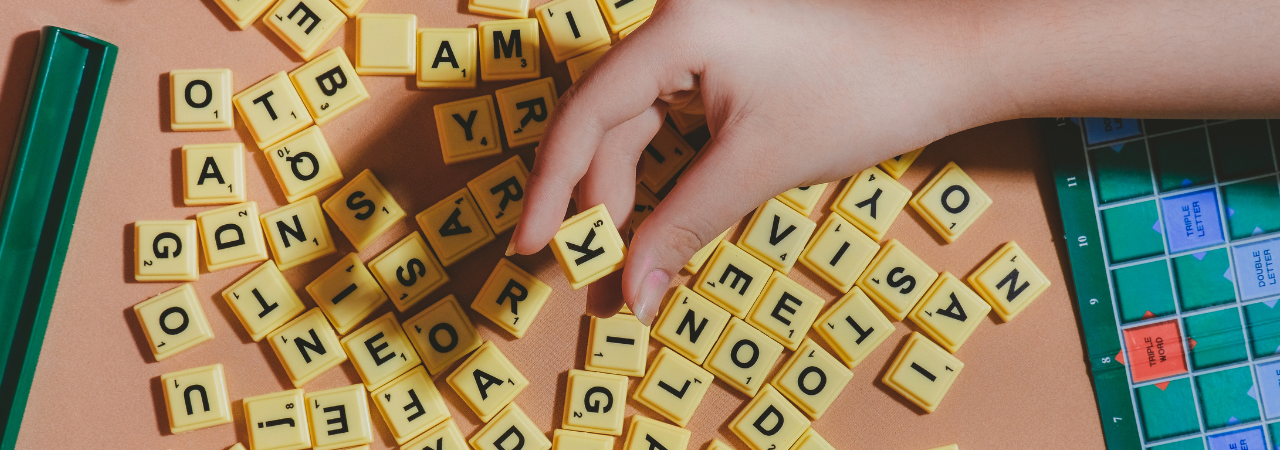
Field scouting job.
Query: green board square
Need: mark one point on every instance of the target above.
(1143, 291)
(1227, 398)
(1241, 148)
(1204, 279)
(1182, 159)
(1167, 412)
(1253, 207)
(1262, 320)
(1121, 172)
(1215, 338)
(1188, 444)
(1274, 428)
(1157, 126)
(1133, 231)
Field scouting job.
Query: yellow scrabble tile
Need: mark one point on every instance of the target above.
(595, 402)
(690, 324)
(468, 129)
(777, 235)
(511, 298)
(363, 210)
(272, 110)
(173, 321)
(510, 430)
(578, 65)
(839, 253)
(410, 405)
(649, 434)
(588, 247)
(896, 279)
(515, 9)
(695, 263)
(617, 345)
(445, 436)
(347, 293)
(897, 165)
(455, 227)
(385, 44)
(922, 372)
(500, 193)
(949, 312)
(871, 200)
(196, 398)
(717, 444)
(812, 379)
(340, 417)
(305, 24)
(572, 27)
(350, 7)
(200, 99)
(578, 440)
(213, 174)
(277, 421)
(1013, 272)
(663, 158)
(785, 311)
(804, 198)
(769, 421)
(645, 203)
(950, 202)
(487, 381)
(628, 30)
(624, 13)
(948, 447)
(263, 300)
(442, 334)
(408, 271)
(686, 122)
(303, 164)
(165, 251)
(446, 58)
(307, 347)
(673, 387)
(853, 327)
(810, 440)
(231, 236)
(743, 357)
(525, 109)
(509, 49)
(329, 85)
(297, 233)
(733, 279)
(244, 12)
(237, 446)
(380, 351)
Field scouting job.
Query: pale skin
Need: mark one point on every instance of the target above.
(811, 91)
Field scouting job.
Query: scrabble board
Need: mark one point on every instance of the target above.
(1171, 227)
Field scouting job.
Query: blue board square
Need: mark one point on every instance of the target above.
(1269, 380)
(1246, 439)
(1191, 220)
(1256, 267)
(1103, 129)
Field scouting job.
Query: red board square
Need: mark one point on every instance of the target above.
(1155, 351)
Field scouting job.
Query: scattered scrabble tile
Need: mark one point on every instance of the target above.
(896, 279)
(776, 235)
(231, 236)
(1011, 270)
(743, 357)
(853, 327)
(408, 271)
(839, 253)
(305, 25)
(871, 200)
(949, 312)
(617, 345)
(686, 122)
(196, 398)
(578, 65)
(468, 129)
(329, 85)
(733, 279)
(572, 27)
(948, 447)
(578, 440)
(645, 203)
(445, 436)
(674, 387)
(165, 251)
(897, 165)
(500, 193)
(785, 311)
(628, 30)
(297, 233)
(525, 109)
(487, 381)
(263, 300)
(510, 430)
(272, 110)
(511, 298)
(595, 402)
(695, 263)
(173, 321)
(346, 293)
(648, 434)
(380, 351)
(446, 58)
(515, 9)
(455, 227)
(663, 158)
(803, 198)
(410, 405)
(350, 7)
(810, 440)
(717, 444)
(339, 417)
(443, 334)
(303, 164)
(509, 49)
(588, 247)
(244, 12)
(690, 324)
(769, 421)
(622, 14)
(950, 202)
(363, 210)
(812, 379)
(277, 421)
(385, 44)
(307, 347)
(200, 99)
(213, 174)
(922, 372)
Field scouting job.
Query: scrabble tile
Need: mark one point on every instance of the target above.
(871, 200)
(515, 9)
(595, 402)
(743, 357)
(307, 347)
(455, 227)
(237, 446)
(297, 233)
(839, 252)
(785, 311)
(627, 31)
(380, 351)
(263, 300)
(803, 198)
(645, 203)
(363, 210)
(733, 279)
(1013, 272)
(303, 164)
(769, 421)
(525, 109)
(949, 312)
(663, 158)
(690, 324)
(622, 14)
(350, 7)
(329, 85)
(385, 44)
(509, 49)
(339, 417)
(810, 440)
(231, 236)
(200, 99)
(897, 165)
(408, 271)
(272, 109)
(853, 327)
(305, 24)
(445, 436)
(686, 123)
(578, 65)
(812, 379)
(410, 405)
(645, 433)
(957, 447)
(588, 247)
(468, 129)
(617, 345)
(922, 372)
(244, 12)
(511, 298)
(213, 174)
(487, 381)
(896, 279)
(346, 293)
(196, 398)
(165, 251)
(446, 58)
(950, 202)
(277, 421)
(500, 193)
(777, 235)
(695, 263)
(442, 334)
(173, 321)
(578, 440)
(572, 27)
(511, 429)
(717, 444)
(674, 387)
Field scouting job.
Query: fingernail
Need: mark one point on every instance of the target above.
(511, 246)
(651, 292)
